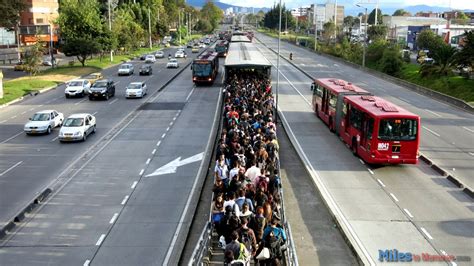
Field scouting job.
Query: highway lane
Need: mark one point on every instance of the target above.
(420, 202)
(43, 159)
(110, 212)
(448, 133)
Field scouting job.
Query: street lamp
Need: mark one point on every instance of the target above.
(278, 65)
(365, 35)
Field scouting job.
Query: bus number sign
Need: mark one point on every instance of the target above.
(383, 146)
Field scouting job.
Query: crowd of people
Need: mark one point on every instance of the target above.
(246, 208)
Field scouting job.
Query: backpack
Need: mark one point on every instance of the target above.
(244, 253)
(274, 245)
(246, 239)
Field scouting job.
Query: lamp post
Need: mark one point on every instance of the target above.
(149, 28)
(365, 36)
(110, 29)
(278, 66)
(51, 44)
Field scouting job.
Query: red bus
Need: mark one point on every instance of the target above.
(205, 68)
(327, 97)
(379, 131)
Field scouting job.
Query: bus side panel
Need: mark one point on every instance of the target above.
(338, 113)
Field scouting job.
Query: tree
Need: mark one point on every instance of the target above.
(82, 48)
(391, 62)
(371, 18)
(213, 13)
(272, 17)
(465, 57)
(376, 32)
(429, 40)
(444, 62)
(10, 10)
(79, 19)
(204, 25)
(328, 31)
(401, 12)
(33, 58)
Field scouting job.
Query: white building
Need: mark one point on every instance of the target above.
(325, 13)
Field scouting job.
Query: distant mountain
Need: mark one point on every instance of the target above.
(224, 6)
(353, 11)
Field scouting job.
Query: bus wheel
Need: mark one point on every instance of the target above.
(354, 147)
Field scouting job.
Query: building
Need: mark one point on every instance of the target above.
(37, 21)
(399, 31)
(322, 13)
(428, 14)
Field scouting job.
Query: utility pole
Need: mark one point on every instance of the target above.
(278, 66)
(110, 29)
(149, 28)
(315, 28)
(179, 26)
(51, 44)
(335, 22)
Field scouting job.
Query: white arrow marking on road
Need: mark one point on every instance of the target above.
(171, 167)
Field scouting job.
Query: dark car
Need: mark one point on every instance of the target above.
(189, 45)
(146, 70)
(143, 56)
(104, 88)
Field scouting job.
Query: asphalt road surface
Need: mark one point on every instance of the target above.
(407, 207)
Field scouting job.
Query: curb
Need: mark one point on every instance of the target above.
(56, 183)
(469, 191)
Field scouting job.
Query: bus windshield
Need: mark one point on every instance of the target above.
(398, 129)
(220, 48)
(202, 70)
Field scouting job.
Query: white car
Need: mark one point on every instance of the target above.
(125, 69)
(159, 54)
(44, 122)
(180, 54)
(173, 63)
(202, 45)
(150, 59)
(136, 90)
(77, 127)
(78, 87)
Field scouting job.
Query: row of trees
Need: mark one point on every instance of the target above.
(86, 28)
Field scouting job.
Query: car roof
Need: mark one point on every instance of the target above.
(126, 64)
(103, 80)
(80, 115)
(149, 55)
(137, 83)
(77, 80)
(173, 60)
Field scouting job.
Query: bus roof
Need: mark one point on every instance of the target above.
(340, 86)
(245, 54)
(239, 38)
(209, 56)
(379, 107)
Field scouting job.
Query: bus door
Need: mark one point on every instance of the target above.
(339, 112)
(367, 130)
(325, 101)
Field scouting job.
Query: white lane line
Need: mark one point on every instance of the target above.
(168, 129)
(158, 143)
(14, 116)
(432, 132)
(171, 123)
(31, 109)
(94, 113)
(11, 168)
(86, 263)
(408, 212)
(113, 101)
(190, 93)
(134, 184)
(148, 161)
(12, 137)
(362, 162)
(125, 200)
(370, 171)
(141, 172)
(41, 105)
(1, 122)
(380, 182)
(436, 114)
(426, 233)
(24, 112)
(164, 135)
(174, 118)
(81, 101)
(468, 129)
(113, 218)
(153, 152)
(394, 198)
(53, 140)
(101, 238)
(405, 100)
(471, 153)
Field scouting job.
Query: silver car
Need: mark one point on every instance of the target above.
(173, 63)
(44, 122)
(125, 69)
(136, 90)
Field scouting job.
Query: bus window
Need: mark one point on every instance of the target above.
(344, 109)
(398, 129)
(356, 118)
(332, 100)
(317, 90)
(370, 128)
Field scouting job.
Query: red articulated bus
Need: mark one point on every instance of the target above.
(205, 68)
(376, 130)
(327, 97)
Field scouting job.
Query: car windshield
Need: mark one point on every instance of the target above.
(124, 66)
(159, 53)
(202, 70)
(144, 67)
(73, 122)
(173, 60)
(75, 83)
(40, 117)
(134, 86)
(398, 129)
(100, 84)
(91, 76)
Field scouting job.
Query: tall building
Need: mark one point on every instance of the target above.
(322, 13)
(37, 20)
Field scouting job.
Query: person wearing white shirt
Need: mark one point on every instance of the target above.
(253, 172)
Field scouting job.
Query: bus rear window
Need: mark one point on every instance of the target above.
(398, 129)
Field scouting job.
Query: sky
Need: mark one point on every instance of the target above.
(455, 4)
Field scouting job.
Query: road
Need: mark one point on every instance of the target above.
(94, 177)
(380, 207)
